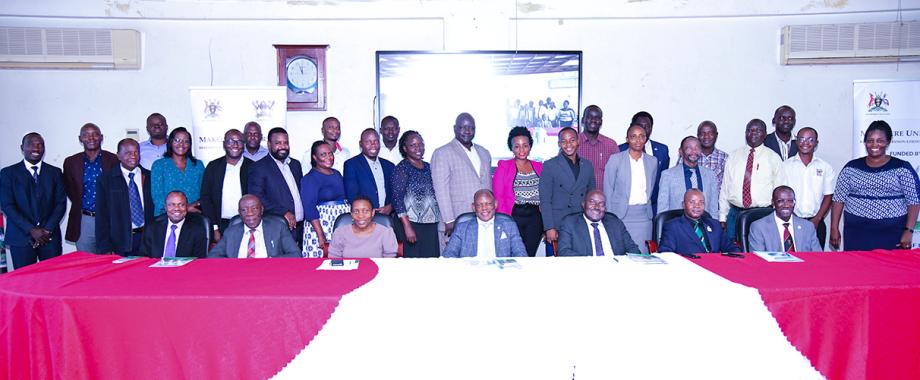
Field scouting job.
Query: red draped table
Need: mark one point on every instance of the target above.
(79, 316)
(855, 315)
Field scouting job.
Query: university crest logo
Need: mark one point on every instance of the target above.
(878, 102)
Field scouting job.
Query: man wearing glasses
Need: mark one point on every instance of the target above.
(812, 179)
(224, 183)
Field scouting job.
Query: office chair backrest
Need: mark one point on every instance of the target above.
(743, 224)
(202, 219)
(345, 220)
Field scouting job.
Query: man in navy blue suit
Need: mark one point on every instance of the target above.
(369, 175)
(659, 150)
(275, 179)
(695, 231)
(33, 199)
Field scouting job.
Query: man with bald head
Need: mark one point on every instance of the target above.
(694, 231)
(332, 131)
(781, 140)
(710, 156)
(255, 236)
(154, 148)
(252, 135)
(782, 231)
(687, 174)
(459, 169)
(369, 175)
(225, 180)
(81, 171)
(489, 235)
(594, 232)
(594, 146)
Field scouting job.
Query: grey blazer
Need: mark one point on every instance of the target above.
(464, 242)
(278, 240)
(561, 193)
(618, 180)
(764, 235)
(455, 180)
(671, 189)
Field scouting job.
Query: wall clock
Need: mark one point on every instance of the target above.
(302, 70)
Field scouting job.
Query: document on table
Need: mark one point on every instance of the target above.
(500, 263)
(125, 259)
(645, 258)
(777, 257)
(172, 262)
(346, 265)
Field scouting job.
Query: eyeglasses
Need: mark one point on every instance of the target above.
(234, 142)
(808, 139)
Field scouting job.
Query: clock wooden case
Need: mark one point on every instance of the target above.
(302, 70)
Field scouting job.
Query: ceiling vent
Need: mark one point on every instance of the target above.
(69, 48)
(851, 43)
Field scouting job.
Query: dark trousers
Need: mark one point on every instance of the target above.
(530, 224)
(22, 256)
(822, 233)
(426, 241)
(135, 244)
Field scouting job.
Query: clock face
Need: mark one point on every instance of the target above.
(302, 75)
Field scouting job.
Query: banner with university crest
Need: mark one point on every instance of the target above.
(218, 109)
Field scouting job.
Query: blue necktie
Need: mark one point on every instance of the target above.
(170, 250)
(35, 173)
(598, 248)
(134, 198)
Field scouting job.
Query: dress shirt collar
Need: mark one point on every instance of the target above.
(30, 165)
(281, 163)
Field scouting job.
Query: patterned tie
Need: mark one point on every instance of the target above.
(170, 250)
(35, 173)
(598, 248)
(134, 198)
(699, 235)
(251, 247)
(746, 187)
(788, 244)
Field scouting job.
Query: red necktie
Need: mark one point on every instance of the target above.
(746, 186)
(788, 244)
(251, 247)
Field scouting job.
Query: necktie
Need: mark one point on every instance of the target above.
(699, 235)
(170, 250)
(251, 247)
(788, 244)
(598, 248)
(35, 173)
(134, 198)
(746, 187)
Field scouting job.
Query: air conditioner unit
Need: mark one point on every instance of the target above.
(69, 48)
(850, 43)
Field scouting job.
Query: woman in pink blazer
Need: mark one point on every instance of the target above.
(516, 184)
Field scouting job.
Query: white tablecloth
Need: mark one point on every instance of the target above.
(552, 318)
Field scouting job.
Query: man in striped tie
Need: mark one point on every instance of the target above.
(781, 231)
(252, 236)
(695, 231)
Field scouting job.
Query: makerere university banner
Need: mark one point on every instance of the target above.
(218, 109)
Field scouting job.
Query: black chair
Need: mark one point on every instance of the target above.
(743, 224)
(658, 226)
(237, 220)
(381, 219)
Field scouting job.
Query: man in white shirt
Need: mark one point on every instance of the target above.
(489, 235)
(224, 183)
(179, 234)
(124, 204)
(154, 148)
(389, 135)
(459, 169)
(781, 231)
(255, 237)
(813, 179)
(595, 232)
(332, 131)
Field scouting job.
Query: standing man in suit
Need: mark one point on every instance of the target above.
(490, 235)
(32, 197)
(255, 237)
(595, 232)
(458, 169)
(781, 231)
(369, 175)
(695, 232)
(688, 174)
(225, 181)
(179, 234)
(124, 205)
(81, 171)
(659, 150)
(565, 181)
(254, 151)
(389, 133)
(154, 148)
(593, 146)
(275, 179)
(781, 141)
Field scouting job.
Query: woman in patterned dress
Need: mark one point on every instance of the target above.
(414, 200)
(322, 193)
(516, 183)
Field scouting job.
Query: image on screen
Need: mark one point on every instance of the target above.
(539, 90)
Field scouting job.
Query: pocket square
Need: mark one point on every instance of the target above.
(503, 237)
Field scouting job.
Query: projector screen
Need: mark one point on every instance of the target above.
(540, 90)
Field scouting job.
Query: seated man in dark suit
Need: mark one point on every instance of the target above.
(123, 203)
(781, 231)
(490, 235)
(695, 231)
(594, 232)
(33, 200)
(255, 237)
(180, 234)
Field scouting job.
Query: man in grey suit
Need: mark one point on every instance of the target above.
(686, 175)
(781, 231)
(490, 235)
(261, 238)
(564, 182)
(595, 232)
(458, 170)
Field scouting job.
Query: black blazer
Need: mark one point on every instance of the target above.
(193, 238)
(359, 180)
(561, 193)
(212, 185)
(772, 142)
(267, 183)
(113, 210)
(27, 204)
(574, 239)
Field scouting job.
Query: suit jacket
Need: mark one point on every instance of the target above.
(772, 142)
(561, 193)
(678, 236)
(113, 210)
(659, 151)
(764, 235)
(503, 183)
(267, 183)
(672, 188)
(193, 238)
(359, 180)
(27, 204)
(464, 241)
(212, 184)
(455, 180)
(575, 240)
(278, 240)
(73, 186)
(617, 181)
